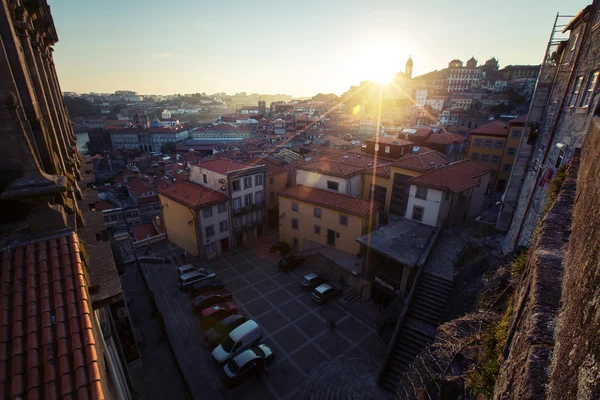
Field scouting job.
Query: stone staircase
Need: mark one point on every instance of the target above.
(418, 328)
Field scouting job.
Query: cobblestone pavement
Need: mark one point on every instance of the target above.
(296, 329)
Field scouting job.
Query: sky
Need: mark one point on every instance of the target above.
(294, 47)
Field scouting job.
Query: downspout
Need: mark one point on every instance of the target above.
(555, 126)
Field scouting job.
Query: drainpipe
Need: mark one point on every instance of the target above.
(555, 125)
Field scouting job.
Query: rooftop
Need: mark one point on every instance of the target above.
(336, 201)
(519, 120)
(455, 177)
(404, 241)
(494, 128)
(390, 140)
(191, 194)
(421, 162)
(45, 305)
(224, 166)
(332, 167)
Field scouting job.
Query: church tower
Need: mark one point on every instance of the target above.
(262, 106)
(409, 67)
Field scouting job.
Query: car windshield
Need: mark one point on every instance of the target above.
(228, 344)
(233, 367)
(258, 351)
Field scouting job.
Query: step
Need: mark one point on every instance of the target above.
(388, 383)
(436, 297)
(421, 308)
(402, 358)
(408, 350)
(425, 319)
(417, 337)
(401, 363)
(395, 369)
(407, 344)
(443, 286)
(434, 288)
(433, 292)
(427, 301)
(436, 278)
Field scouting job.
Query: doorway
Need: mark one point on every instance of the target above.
(224, 245)
(239, 239)
(330, 238)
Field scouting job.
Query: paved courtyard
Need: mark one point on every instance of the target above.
(297, 330)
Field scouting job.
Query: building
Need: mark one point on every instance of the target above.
(196, 218)
(147, 136)
(221, 132)
(463, 79)
(311, 218)
(563, 105)
(448, 194)
(487, 145)
(65, 329)
(244, 185)
(276, 181)
(393, 148)
(332, 175)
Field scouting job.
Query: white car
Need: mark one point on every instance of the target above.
(241, 338)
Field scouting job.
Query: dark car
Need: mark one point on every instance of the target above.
(207, 286)
(281, 247)
(215, 335)
(288, 263)
(311, 281)
(210, 298)
(248, 363)
(324, 293)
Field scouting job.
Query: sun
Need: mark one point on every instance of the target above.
(376, 62)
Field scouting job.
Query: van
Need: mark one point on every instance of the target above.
(241, 338)
(186, 281)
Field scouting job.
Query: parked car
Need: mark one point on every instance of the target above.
(248, 363)
(215, 335)
(241, 338)
(311, 281)
(184, 269)
(281, 247)
(288, 263)
(325, 292)
(213, 314)
(207, 286)
(187, 281)
(210, 298)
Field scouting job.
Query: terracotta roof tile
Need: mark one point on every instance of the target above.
(421, 162)
(336, 201)
(445, 138)
(191, 194)
(224, 166)
(332, 167)
(455, 177)
(494, 128)
(43, 356)
(519, 120)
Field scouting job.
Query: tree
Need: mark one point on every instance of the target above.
(501, 108)
(168, 148)
(79, 107)
(115, 110)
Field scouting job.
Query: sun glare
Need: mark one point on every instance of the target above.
(377, 62)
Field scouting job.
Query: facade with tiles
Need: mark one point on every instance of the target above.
(563, 106)
(62, 302)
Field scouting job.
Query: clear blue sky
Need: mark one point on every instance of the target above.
(294, 47)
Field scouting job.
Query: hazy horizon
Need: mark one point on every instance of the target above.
(185, 46)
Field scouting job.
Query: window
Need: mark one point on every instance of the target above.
(258, 197)
(589, 91)
(237, 203)
(576, 89)
(259, 215)
(317, 230)
(223, 226)
(512, 151)
(474, 156)
(317, 213)
(499, 144)
(207, 212)
(387, 149)
(204, 178)
(376, 147)
(343, 220)
(379, 193)
(477, 142)
(294, 242)
(271, 196)
(487, 143)
(332, 185)
(485, 158)
(221, 208)
(249, 218)
(248, 182)
(421, 193)
(495, 159)
(573, 46)
(210, 231)
(271, 181)
(515, 134)
(295, 224)
(258, 180)
(506, 168)
(493, 173)
(248, 200)
(417, 214)
(236, 185)
(295, 206)
(210, 248)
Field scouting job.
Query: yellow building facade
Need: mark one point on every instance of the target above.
(175, 216)
(312, 218)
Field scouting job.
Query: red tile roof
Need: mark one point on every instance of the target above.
(102, 205)
(519, 120)
(191, 194)
(391, 140)
(421, 162)
(445, 138)
(224, 166)
(47, 344)
(455, 177)
(494, 128)
(144, 231)
(139, 187)
(336, 201)
(332, 167)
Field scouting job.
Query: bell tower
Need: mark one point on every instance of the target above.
(409, 67)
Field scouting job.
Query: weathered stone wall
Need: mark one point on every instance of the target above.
(575, 372)
(530, 339)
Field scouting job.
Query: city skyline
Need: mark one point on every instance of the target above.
(320, 48)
